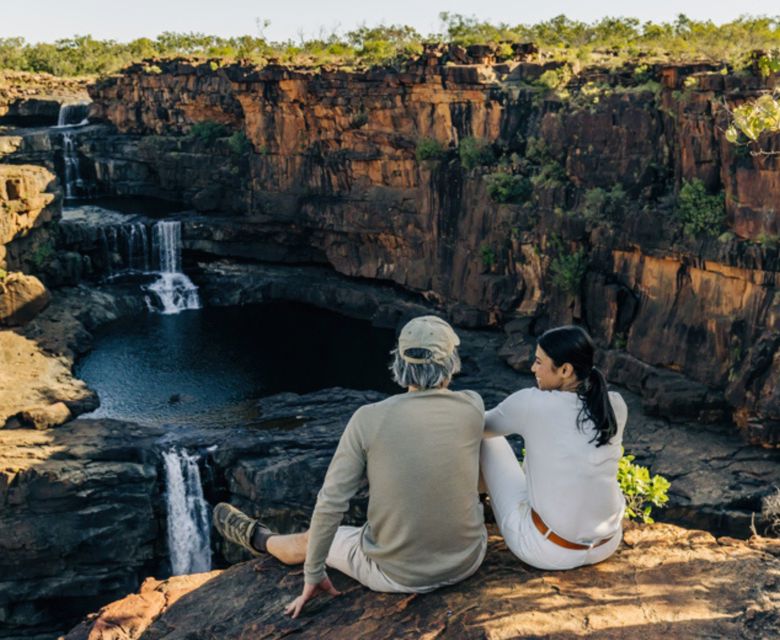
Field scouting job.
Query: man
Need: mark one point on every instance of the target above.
(420, 453)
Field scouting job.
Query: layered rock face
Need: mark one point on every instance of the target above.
(384, 175)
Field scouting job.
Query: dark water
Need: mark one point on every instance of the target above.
(209, 367)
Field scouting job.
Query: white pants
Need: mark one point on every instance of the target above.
(508, 491)
(346, 555)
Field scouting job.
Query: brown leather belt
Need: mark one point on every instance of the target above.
(562, 542)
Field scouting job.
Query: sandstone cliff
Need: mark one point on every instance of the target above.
(395, 175)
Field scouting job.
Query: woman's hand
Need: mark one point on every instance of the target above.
(310, 591)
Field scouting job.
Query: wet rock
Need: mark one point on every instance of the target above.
(70, 498)
(679, 582)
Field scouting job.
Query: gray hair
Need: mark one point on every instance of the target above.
(429, 375)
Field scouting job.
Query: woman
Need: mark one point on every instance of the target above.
(563, 508)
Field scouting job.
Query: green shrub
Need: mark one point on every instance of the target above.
(753, 118)
(601, 206)
(771, 241)
(642, 492)
(699, 211)
(556, 79)
(238, 143)
(429, 149)
(568, 269)
(488, 256)
(551, 174)
(475, 152)
(504, 187)
(208, 131)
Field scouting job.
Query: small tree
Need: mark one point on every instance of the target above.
(699, 211)
(429, 149)
(475, 152)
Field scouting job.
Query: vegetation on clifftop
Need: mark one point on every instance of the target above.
(606, 41)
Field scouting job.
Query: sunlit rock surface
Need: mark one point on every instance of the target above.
(663, 582)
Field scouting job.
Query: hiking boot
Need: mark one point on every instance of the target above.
(237, 527)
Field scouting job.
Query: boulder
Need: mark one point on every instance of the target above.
(663, 582)
(22, 297)
(43, 417)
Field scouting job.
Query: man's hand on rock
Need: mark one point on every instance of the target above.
(309, 592)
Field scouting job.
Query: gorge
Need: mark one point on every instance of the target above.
(452, 184)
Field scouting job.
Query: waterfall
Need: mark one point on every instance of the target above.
(124, 248)
(189, 529)
(73, 113)
(173, 291)
(70, 159)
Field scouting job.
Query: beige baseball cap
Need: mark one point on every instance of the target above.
(431, 333)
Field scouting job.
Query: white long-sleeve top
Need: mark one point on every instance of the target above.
(572, 483)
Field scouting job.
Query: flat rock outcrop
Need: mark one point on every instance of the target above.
(663, 582)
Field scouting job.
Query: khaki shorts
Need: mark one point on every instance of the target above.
(346, 555)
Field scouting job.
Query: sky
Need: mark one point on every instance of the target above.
(48, 20)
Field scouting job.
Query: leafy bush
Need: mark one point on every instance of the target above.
(556, 79)
(551, 174)
(208, 131)
(568, 269)
(239, 144)
(488, 255)
(699, 211)
(642, 492)
(601, 206)
(429, 149)
(768, 64)
(753, 118)
(505, 187)
(475, 152)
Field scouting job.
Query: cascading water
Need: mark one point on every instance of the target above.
(70, 159)
(189, 537)
(173, 290)
(73, 113)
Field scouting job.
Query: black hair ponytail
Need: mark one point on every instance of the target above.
(572, 344)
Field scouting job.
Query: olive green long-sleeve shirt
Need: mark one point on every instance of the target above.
(420, 452)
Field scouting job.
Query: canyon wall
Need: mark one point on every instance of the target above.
(392, 174)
